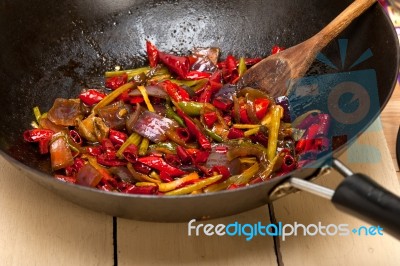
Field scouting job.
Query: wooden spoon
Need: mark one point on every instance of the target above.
(274, 73)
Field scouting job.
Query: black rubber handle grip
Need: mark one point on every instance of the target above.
(362, 197)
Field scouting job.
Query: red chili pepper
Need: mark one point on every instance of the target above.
(109, 149)
(174, 91)
(221, 170)
(183, 133)
(173, 159)
(222, 103)
(195, 75)
(125, 97)
(67, 179)
(260, 138)
(216, 77)
(183, 155)
(94, 150)
(116, 82)
(152, 54)
(261, 107)
(165, 177)
(210, 118)
(91, 97)
(231, 64)
(117, 137)
(141, 168)
(195, 131)
(177, 64)
(244, 117)
(104, 160)
(248, 62)
(206, 93)
(36, 135)
(131, 153)
(145, 190)
(159, 164)
(41, 136)
(73, 169)
(44, 146)
(276, 49)
(75, 136)
(136, 99)
(289, 163)
(198, 156)
(235, 133)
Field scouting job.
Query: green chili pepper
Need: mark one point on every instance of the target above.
(242, 67)
(245, 148)
(194, 84)
(129, 72)
(190, 108)
(164, 147)
(172, 115)
(213, 135)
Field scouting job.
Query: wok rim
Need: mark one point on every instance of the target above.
(28, 171)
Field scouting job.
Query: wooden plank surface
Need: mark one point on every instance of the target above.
(391, 120)
(141, 243)
(308, 209)
(39, 228)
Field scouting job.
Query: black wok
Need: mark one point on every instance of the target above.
(52, 49)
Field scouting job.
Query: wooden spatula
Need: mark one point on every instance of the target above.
(274, 73)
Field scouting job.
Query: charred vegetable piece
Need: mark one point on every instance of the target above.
(65, 112)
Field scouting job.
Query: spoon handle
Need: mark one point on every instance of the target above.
(336, 26)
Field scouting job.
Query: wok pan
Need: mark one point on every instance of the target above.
(52, 49)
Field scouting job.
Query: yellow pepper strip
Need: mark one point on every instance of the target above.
(154, 175)
(145, 184)
(141, 177)
(34, 124)
(241, 179)
(196, 186)
(112, 96)
(37, 113)
(164, 187)
(129, 72)
(245, 126)
(273, 131)
(267, 119)
(146, 98)
(252, 131)
(245, 177)
(134, 138)
(271, 166)
(144, 146)
(249, 160)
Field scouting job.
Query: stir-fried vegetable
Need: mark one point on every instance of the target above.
(179, 126)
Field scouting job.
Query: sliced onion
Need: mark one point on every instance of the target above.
(64, 112)
(133, 117)
(152, 90)
(88, 176)
(153, 126)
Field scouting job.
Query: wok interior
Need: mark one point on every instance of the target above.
(55, 48)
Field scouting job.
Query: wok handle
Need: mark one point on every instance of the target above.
(359, 196)
(362, 197)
